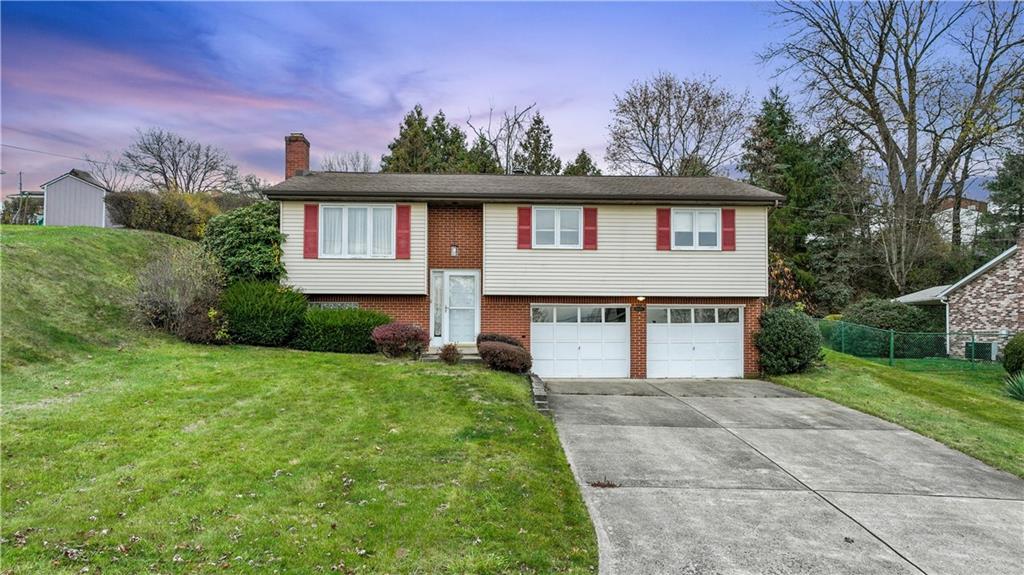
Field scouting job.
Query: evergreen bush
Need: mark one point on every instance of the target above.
(263, 313)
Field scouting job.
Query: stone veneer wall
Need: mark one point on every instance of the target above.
(991, 306)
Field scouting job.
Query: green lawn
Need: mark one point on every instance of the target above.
(128, 452)
(964, 409)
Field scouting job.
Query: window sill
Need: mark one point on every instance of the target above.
(326, 257)
(558, 247)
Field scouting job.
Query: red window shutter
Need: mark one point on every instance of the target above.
(525, 228)
(590, 228)
(403, 232)
(311, 232)
(664, 229)
(728, 230)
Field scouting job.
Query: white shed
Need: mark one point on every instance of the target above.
(75, 199)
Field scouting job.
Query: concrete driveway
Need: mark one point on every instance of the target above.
(722, 477)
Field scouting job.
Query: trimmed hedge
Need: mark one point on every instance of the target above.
(499, 337)
(401, 339)
(502, 356)
(339, 330)
(1013, 354)
(263, 313)
(886, 314)
(789, 341)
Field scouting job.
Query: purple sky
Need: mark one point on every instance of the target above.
(80, 78)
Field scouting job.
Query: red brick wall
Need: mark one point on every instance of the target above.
(296, 154)
(459, 225)
(414, 309)
(511, 315)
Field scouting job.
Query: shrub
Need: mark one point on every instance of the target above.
(789, 341)
(886, 314)
(182, 215)
(499, 337)
(1015, 385)
(450, 354)
(401, 339)
(505, 357)
(263, 313)
(339, 330)
(248, 242)
(179, 292)
(1013, 354)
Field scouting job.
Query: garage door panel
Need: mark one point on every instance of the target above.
(598, 347)
(701, 348)
(567, 350)
(591, 350)
(614, 351)
(542, 350)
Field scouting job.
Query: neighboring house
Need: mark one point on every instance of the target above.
(970, 216)
(75, 199)
(988, 303)
(602, 276)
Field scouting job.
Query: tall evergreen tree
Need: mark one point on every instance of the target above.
(583, 165)
(447, 145)
(1005, 217)
(411, 151)
(480, 159)
(535, 156)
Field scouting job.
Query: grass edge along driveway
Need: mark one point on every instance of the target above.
(966, 410)
(177, 458)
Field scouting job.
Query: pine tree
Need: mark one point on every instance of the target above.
(534, 156)
(447, 146)
(480, 159)
(1005, 217)
(583, 165)
(411, 151)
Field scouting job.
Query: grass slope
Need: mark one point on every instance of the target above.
(174, 458)
(964, 409)
(62, 290)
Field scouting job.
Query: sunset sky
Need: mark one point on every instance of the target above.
(80, 78)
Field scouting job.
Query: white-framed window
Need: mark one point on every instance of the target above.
(696, 229)
(357, 231)
(558, 227)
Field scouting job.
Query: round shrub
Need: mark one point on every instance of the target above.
(499, 337)
(400, 339)
(450, 354)
(263, 313)
(179, 292)
(247, 242)
(502, 356)
(1013, 354)
(789, 341)
(886, 314)
(339, 330)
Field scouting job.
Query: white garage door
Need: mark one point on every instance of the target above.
(694, 342)
(579, 341)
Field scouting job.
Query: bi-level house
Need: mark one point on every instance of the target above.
(605, 276)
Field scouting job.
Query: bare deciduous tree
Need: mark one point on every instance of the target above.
(111, 171)
(168, 161)
(671, 127)
(921, 85)
(503, 135)
(347, 162)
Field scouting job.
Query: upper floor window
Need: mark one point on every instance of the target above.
(696, 229)
(355, 231)
(558, 228)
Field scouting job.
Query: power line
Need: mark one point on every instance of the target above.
(33, 150)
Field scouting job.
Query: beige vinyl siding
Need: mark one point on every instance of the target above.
(354, 276)
(71, 202)
(626, 261)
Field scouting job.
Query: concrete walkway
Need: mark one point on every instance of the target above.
(728, 477)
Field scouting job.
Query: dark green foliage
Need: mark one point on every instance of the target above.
(480, 159)
(1015, 385)
(886, 314)
(583, 165)
(450, 354)
(505, 357)
(1005, 217)
(500, 337)
(535, 155)
(179, 292)
(165, 212)
(789, 341)
(263, 313)
(247, 241)
(1013, 354)
(401, 339)
(339, 330)
(434, 146)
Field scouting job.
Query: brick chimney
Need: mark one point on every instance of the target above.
(296, 154)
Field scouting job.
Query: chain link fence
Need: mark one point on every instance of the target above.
(915, 351)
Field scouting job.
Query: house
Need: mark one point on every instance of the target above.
(987, 306)
(75, 199)
(971, 212)
(603, 276)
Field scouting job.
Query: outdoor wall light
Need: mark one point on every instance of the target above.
(455, 250)
(640, 298)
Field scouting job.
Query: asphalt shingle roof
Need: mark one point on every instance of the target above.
(495, 188)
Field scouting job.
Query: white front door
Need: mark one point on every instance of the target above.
(694, 341)
(455, 306)
(580, 340)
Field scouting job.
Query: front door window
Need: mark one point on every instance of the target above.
(462, 295)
